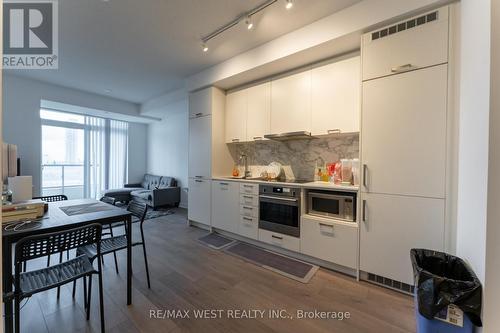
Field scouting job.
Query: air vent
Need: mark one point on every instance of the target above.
(393, 284)
(405, 25)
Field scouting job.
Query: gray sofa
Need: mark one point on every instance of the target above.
(155, 191)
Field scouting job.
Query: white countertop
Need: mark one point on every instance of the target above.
(311, 185)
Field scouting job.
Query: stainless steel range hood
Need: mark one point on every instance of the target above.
(301, 135)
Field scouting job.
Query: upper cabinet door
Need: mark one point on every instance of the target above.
(335, 100)
(200, 147)
(291, 103)
(258, 111)
(200, 103)
(236, 114)
(404, 133)
(411, 44)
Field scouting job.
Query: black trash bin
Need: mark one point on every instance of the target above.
(447, 293)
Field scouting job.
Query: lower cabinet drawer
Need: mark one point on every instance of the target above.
(249, 200)
(250, 211)
(249, 188)
(249, 227)
(329, 241)
(277, 239)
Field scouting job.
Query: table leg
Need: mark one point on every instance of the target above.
(7, 283)
(129, 260)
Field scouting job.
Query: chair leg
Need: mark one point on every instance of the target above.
(17, 314)
(101, 298)
(145, 257)
(89, 295)
(24, 266)
(114, 253)
(48, 260)
(59, 288)
(85, 305)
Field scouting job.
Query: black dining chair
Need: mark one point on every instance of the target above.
(50, 198)
(26, 284)
(108, 229)
(117, 243)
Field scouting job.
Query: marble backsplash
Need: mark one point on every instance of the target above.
(298, 157)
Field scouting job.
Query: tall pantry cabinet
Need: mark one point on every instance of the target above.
(403, 143)
(208, 154)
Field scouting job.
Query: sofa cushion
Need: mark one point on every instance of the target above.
(166, 182)
(150, 182)
(120, 191)
(142, 194)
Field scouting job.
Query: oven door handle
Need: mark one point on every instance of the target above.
(279, 201)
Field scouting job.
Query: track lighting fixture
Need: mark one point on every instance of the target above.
(289, 4)
(248, 22)
(204, 47)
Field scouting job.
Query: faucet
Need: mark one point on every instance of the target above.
(247, 172)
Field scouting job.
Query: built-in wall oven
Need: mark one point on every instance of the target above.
(332, 204)
(279, 208)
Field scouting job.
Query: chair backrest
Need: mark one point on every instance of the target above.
(37, 246)
(53, 198)
(138, 209)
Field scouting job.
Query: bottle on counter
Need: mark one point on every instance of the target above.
(355, 171)
(346, 171)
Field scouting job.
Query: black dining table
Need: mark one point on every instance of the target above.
(62, 215)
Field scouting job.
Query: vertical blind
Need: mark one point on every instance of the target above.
(118, 148)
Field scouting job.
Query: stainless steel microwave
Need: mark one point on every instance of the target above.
(332, 204)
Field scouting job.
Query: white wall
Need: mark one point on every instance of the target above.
(22, 126)
(473, 133)
(168, 146)
(491, 319)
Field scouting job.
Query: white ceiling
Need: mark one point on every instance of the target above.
(140, 49)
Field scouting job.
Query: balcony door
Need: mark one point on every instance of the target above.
(82, 155)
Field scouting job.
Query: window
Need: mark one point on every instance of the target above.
(82, 155)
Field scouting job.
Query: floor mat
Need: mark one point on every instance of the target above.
(286, 266)
(216, 241)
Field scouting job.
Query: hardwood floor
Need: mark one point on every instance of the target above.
(188, 276)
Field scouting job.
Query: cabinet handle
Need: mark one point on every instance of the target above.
(198, 181)
(199, 114)
(248, 186)
(257, 138)
(337, 130)
(198, 176)
(402, 68)
(247, 219)
(235, 140)
(248, 196)
(277, 237)
(364, 210)
(247, 208)
(365, 175)
(326, 225)
(224, 184)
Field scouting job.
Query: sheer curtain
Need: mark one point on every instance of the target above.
(118, 148)
(96, 162)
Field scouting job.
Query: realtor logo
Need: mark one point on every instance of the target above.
(30, 34)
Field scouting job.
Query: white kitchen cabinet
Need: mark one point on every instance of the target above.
(249, 200)
(200, 103)
(225, 205)
(412, 48)
(335, 97)
(236, 116)
(280, 240)
(404, 133)
(330, 241)
(199, 200)
(291, 103)
(258, 111)
(249, 188)
(393, 225)
(248, 210)
(200, 147)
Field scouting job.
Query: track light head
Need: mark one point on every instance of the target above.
(249, 23)
(289, 4)
(204, 47)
